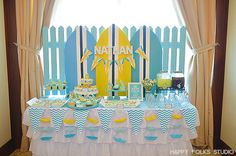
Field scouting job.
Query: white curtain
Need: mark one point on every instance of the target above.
(31, 16)
(199, 17)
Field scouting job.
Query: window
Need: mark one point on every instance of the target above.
(120, 12)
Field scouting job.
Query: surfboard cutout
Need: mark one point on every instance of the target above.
(77, 45)
(113, 65)
(145, 39)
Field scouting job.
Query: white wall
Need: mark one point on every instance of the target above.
(5, 129)
(228, 127)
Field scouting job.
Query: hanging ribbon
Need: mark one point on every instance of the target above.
(86, 55)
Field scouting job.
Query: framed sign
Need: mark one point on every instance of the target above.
(135, 91)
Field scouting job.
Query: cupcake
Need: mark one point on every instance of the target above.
(64, 85)
(54, 86)
(48, 86)
(116, 87)
(60, 86)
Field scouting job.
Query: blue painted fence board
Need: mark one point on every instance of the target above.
(126, 31)
(61, 46)
(94, 32)
(158, 33)
(46, 58)
(54, 56)
(101, 30)
(165, 52)
(182, 49)
(174, 49)
(132, 31)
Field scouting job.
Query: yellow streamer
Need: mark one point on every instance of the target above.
(45, 120)
(120, 120)
(151, 117)
(141, 53)
(92, 120)
(177, 116)
(85, 56)
(69, 121)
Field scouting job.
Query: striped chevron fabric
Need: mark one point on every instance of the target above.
(81, 118)
(190, 116)
(164, 116)
(105, 116)
(35, 116)
(57, 116)
(136, 118)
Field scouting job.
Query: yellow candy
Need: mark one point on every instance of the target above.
(69, 121)
(151, 117)
(92, 120)
(120, 120)
(45, 120)
(177, 116)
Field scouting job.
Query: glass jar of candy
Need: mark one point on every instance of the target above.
(178, 80)
(164, 80)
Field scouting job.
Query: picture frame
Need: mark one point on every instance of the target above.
(135, 91)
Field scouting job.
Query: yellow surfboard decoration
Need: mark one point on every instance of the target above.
(122, 62)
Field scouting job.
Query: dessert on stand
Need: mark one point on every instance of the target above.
(84, 95)
(115, 89)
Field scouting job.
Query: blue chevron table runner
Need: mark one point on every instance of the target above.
(135, 116)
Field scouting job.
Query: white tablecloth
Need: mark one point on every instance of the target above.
(40, 148)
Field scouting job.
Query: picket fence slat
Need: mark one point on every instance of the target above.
(61, 43)
(68, 32)
(46, 57)
(165, 52)
(126, 31)
(53, 56)
(101, 29)
(182, 49)
(174, 49)
(94, 32)
(132, 31)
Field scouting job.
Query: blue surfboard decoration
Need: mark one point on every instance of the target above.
(77, 44)
(146, 39)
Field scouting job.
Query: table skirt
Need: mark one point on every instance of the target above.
(51, 148)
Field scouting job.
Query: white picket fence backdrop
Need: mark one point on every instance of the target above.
(173, 42)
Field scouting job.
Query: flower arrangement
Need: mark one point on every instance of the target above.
(148, 84)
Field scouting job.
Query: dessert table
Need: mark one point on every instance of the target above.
(101, 131)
